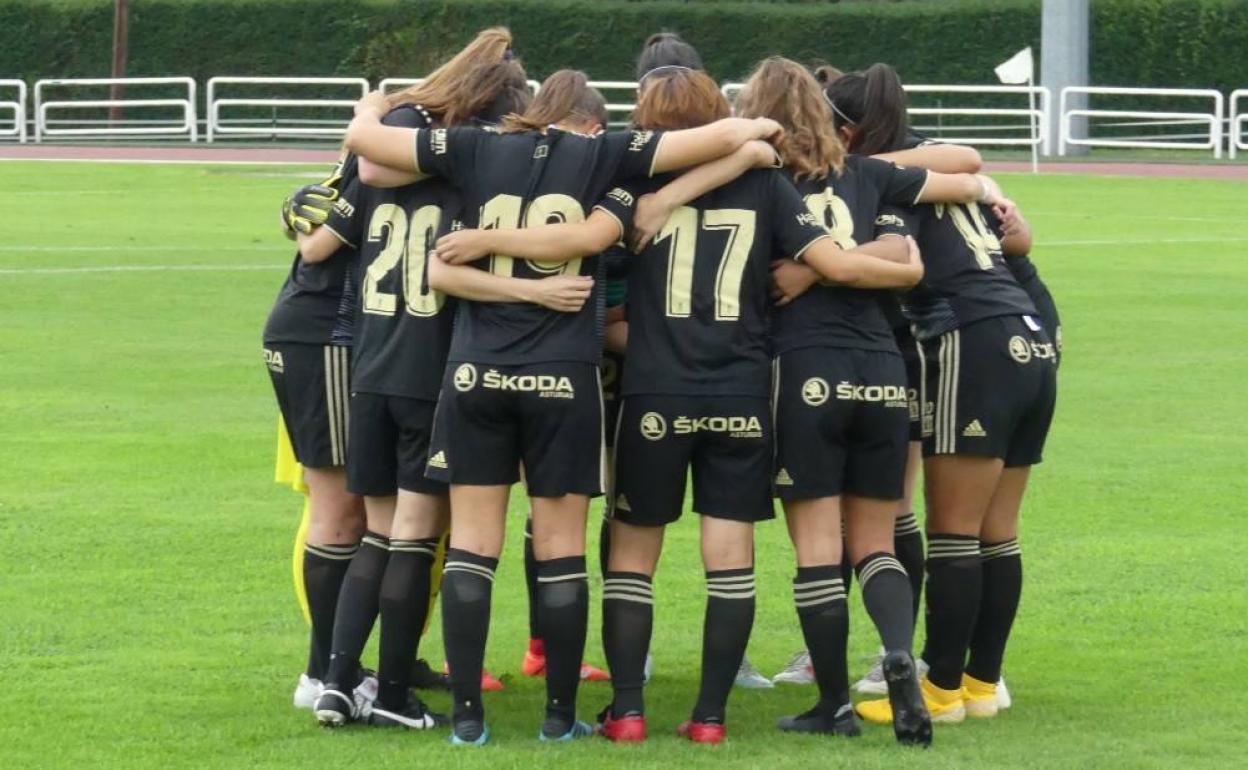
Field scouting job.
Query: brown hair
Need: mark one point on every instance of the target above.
(680, 99)
(467, 83)
(565, 95)
(786, 92)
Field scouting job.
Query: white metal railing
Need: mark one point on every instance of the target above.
(731, 91)
(18, 107)
(611, 89)
(1210, 139)
(273, 127)
(1039, 100)
(1238, 121)
(167, 127)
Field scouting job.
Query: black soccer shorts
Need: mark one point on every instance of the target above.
(549, 417)
(312, 386)
(389, 445)
(1046, 309)
(726, 441)
(993, 388)
(912, 356)
(842, 424)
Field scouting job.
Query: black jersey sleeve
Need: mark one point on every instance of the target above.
(794, 228)
(631, 153)
(449, 153)
(346, 219)
(898, 185)
(620, 203)
(891, 221)
(408, 116)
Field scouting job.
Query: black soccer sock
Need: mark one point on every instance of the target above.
(324, 567)
(908, 545)
(1003, 585)
(604, 547)
(530, 580)
(819, 594)
(357, 610)
(954, 584)
(467, 584)
(563, 607)
(404, 606)
(886, 593)
(725, 633)
(627, 622)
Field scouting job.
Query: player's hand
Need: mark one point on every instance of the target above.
(992, 191)
(652, 213)
(790, 280)
(565, 293)
(1007, 211)
(373, 105)
(769, 129)
(308, 207)
(463, 246)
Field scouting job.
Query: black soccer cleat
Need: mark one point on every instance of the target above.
(911, 723)
(414, 715)
(425, 678)
(823, 721)
(469, 732)
(335, 708)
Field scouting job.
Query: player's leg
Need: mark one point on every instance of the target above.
(564, 455)
(535, 656)
(562, 602)
(732, 491)
(1003, 585)
(478, 519)
(420, 519)
(649, 473)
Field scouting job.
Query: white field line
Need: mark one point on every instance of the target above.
(139, 269)
(178, 162)
(1116, 215)
(1138, 241)
(107, 247)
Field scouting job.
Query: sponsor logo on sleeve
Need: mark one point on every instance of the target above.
(889, 220)
(640, 140)
(807, 219)
(622, 196)
(437, 141)
(344, 208)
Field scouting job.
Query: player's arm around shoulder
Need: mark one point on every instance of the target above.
(549, 243)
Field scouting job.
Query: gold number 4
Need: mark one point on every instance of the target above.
(969, 221)
(681, 232)
(390, 222)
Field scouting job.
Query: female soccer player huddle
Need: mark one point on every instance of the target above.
(760, 361)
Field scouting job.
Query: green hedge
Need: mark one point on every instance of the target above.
(1136, 42)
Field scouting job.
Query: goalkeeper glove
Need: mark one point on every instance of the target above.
(308, 207)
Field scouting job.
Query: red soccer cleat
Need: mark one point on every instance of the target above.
(534, 663)
(629, 729)
(593, 674)
(488, 682)
(702, 732)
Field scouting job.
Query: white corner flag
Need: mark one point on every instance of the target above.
(1019, 69)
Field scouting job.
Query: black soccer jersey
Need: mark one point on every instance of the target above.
(698, 297)
(404, 328)
(965, 277)
(519, 179)
(848, 206)
(308, 304)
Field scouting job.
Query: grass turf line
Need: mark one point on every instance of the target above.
(147, 613)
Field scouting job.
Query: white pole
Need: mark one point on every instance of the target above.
(1031, 119)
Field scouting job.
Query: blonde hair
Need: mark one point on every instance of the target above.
(566, 95)
(680, 98)
(783, 90)
(455, 92)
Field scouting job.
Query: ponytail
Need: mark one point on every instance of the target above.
(565, 95)
(874, 103)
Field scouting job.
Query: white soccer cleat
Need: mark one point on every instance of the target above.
(365, 693)
(307, 691)
(798, 671)
(1004, 701)
(749, 678)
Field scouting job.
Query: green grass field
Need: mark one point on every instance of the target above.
(146, 612)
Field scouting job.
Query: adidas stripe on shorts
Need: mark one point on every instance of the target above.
(312, 385)
(989, 389)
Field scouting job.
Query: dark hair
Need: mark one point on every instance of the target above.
(826, 74)
(565, 94)
(874, 102)
(513, 98)
(667, 49)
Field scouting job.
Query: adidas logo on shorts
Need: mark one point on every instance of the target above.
(438, 460)
(783, 479)
(974, 430)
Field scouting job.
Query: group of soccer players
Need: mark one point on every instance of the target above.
(770, 330)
